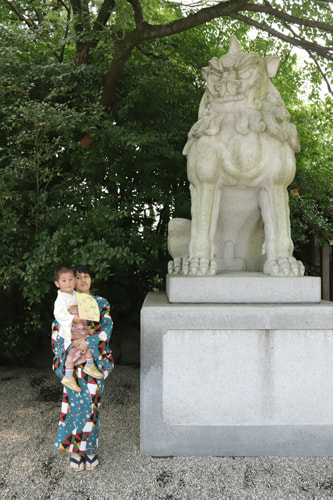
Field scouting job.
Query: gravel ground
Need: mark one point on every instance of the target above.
(30, 468)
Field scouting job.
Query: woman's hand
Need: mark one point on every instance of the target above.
(80, 344)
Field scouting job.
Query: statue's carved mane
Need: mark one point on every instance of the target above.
(271, 117)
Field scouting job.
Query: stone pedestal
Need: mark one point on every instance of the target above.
(236, 379)
(243, 287)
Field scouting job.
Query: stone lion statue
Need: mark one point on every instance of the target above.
(240, 160)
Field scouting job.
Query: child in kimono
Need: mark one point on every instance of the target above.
(72, 329)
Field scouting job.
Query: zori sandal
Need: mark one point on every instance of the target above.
(91, 462)
(93, 371)
(76, 462)
(71, 384)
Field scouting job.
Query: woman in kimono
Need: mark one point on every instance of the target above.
(80, 411)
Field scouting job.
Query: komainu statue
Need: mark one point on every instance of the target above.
(240, 161)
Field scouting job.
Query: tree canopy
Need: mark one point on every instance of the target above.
(123, 25)
(96, 102)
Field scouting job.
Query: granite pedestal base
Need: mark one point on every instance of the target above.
(243, 287)
(236, 379)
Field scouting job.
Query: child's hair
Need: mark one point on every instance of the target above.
(81, 268)
(61, 270)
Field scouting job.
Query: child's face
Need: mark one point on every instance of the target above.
(66, 282)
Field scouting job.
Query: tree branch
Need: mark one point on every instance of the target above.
(19, 14)
(329, 88)
(32, 25)
(122, 54)
(81, 10)
(289, 18)
(145, 31)
(325, 52)
(222, 9)
(104, 14)
(61, 56)
(315, 61)
(82, 25)
(231, 8)
(152, 55)
(138, 16)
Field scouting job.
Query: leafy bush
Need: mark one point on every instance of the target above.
(79, 184)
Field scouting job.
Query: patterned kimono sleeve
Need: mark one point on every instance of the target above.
(99, 342)
(59, 351)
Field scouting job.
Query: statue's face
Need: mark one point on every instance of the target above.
(238, 81)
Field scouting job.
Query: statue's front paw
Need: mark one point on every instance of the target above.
(200, 266)
(284, 266)
(180, 265)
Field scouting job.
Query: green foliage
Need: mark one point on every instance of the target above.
(55, 209)
(313, 184)
(81, 185)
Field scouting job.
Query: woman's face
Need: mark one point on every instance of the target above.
(83, 282)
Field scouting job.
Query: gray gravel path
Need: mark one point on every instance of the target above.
(30, 468)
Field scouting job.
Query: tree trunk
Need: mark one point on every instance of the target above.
(123, 50)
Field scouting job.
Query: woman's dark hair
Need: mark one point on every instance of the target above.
(80, 268)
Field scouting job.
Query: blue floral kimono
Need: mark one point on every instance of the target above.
(79, 422)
